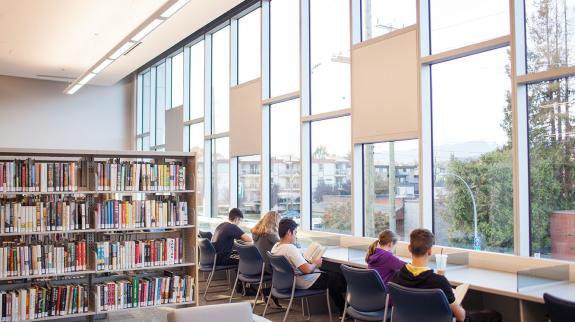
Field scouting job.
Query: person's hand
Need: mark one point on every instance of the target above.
(318, 262)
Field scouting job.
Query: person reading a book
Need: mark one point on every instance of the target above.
(380, 255)
(417, 275)
(308, 275)
(224, 236)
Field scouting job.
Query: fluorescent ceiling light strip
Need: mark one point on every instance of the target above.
(74, 89)
(175, 7)
(144, 32)
(103, 65)
(86, 78)
(121, 50)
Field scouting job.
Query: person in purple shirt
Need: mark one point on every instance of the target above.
(380, 256)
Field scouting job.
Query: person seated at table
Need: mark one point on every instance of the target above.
(265, 235)
(224, 236)
(308, 277)
(381, 258)
(417, 275)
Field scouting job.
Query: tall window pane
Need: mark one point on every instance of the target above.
(284, 47)
(178, 80)
(221, 177)
(249, 186)
(457, 23)
(552, 168)
(330, 60)
(391, 187)
(196, 81)
(146, 101)
(549, 34)
(331, 175)
(285, 176)
(249, 46)
(379, 17)
(221, 79)
(197, 146)
(160, 103)
(472, 163)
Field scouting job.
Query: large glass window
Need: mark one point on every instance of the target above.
(285, 176)
(196, 81)
(549, 34)
(379, 17)
(221, 80)
(331, 175)
(329, 55)
(552, 168)
(144, 143)
(284, 47)
(249, 186)
(472, 163)
(249, 46)
(457, 23)
(178, 80)
(391, 187)
(160, 117)
(197, 146)
(221, 177)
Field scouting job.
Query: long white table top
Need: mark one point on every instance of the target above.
(484, 280)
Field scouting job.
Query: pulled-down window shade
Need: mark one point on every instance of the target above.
(246, 119)
(384, 83)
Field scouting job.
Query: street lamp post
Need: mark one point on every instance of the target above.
(476, 239)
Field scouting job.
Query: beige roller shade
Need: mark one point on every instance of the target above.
(384, 82)
(175, 129)
(246, 119)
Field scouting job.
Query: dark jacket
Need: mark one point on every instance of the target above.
(424, 280)
(264, 244)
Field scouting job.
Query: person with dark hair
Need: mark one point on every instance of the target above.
(418, 275)
(380, 255)
(224, 236)
(308, 275)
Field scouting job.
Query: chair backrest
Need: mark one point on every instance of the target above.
(412, 304)
(251, 261)
(207, 252)
(283, 273)
(558, 309)
(241, 312)
(205, 234)
(366, 291)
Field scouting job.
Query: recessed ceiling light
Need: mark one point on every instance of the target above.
(122, 50)
(74, 89)
(175, 7)
(103, 65)
(144, 32)
(86, 78)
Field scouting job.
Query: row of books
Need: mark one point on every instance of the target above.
(138, 253)
(38, 302)
(19, 259)
(52, 214)
(31, 176)
(140, 214)
(139, 176)
(142, 292)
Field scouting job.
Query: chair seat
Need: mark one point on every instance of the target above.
(208, 268)
(254, 278)
(286, 294)
(368, 316)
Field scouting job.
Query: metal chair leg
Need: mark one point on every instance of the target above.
(267, 303)
(308, 317)
(288, 308)
(208, 285)
(344, 311)
(256, 298)
(328, 304)
(233, 288)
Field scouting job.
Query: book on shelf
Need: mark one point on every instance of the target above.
(130, 254)
(137, 292)
(39, 301)
(48, 213)
(314, 252)
(18, 259)
(30, 175)
(117, 175)
(140, 213)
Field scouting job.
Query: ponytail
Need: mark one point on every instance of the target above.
(371, 249)
(385, 237)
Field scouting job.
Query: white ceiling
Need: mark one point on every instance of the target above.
(63, 38)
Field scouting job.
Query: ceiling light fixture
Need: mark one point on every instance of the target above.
(130, 41)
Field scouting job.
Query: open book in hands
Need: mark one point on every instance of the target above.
(460, 292)
(314, 252)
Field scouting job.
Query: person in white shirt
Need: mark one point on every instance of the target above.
(311, 278)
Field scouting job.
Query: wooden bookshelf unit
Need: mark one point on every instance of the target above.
(77, 224)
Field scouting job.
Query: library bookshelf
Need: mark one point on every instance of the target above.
(87, 233)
